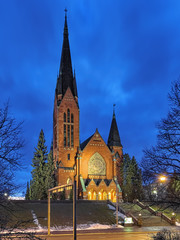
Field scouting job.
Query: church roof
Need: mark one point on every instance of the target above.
(66, 78)
(96, 181)
(83, 144)
(114, 138)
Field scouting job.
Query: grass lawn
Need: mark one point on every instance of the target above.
(61, 213)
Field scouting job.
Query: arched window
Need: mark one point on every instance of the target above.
(64, 135)
(68, 115)
(72, 136)
(68, 135)
(72, 118)
(64, 117)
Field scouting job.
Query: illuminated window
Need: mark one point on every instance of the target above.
(72, 118)
(68, 135)
(64, 117)
(68, 115)
(72, 136)
(64, 135)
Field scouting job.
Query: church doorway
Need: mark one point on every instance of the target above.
(114, 196)
(100, 195)
(92, 195)
(105, 195)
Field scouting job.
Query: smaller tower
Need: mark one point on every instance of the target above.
(114, 144)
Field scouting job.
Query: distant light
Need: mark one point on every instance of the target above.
(173, 213)
(154, 191)
(140, 214)
(162, 178)
(5, 194)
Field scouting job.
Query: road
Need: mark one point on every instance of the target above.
(109, 236)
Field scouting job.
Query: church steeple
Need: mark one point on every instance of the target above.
(114, 139)
(65, 78)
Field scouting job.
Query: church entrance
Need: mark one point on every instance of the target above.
(112, 195)
(92, 195)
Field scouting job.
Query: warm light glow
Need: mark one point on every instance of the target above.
(173, 213)
(162, 178)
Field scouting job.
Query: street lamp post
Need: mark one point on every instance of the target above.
(116, 206)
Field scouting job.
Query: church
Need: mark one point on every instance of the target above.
(94, 164)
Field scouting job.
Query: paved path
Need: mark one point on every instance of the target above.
(109, 236)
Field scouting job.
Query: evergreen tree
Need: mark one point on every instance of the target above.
(50, 181)
(132, 180)
(127, 187)
(137, 190)
(27, 196)
(39, 169)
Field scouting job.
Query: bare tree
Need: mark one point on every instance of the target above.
(164, 158)
(11, 146)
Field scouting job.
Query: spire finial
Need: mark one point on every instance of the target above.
(114, 110)
(65, 24)
(65, 10)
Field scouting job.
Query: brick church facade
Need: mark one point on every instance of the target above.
(94, 164)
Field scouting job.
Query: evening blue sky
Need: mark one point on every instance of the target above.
(124, 52)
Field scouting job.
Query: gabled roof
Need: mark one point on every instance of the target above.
(83, 144)
(107, 181)
(66, 78)
(96, 181)
(114, 138)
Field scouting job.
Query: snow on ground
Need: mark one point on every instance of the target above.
(111, 207)
(35, 220)
(67, 228)
(114, 209)
(16, 198)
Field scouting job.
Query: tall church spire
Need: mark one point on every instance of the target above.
(66, 78)
(114, 139)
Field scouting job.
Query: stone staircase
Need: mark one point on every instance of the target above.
(137, 211)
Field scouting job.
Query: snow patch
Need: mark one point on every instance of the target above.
(66, 228)
(119, 214)
(84, 227)
(35, 220)
(111, 207)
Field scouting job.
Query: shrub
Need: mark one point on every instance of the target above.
(166, 235)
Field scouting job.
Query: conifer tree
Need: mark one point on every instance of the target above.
(137, 191)
(50, 181)
(132, 181)
(39, 169)
(127, 188)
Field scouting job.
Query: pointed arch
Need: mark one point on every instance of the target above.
(68, 115)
